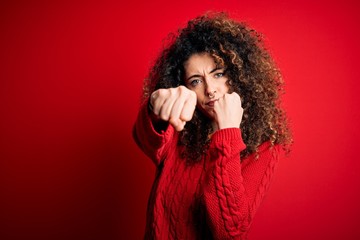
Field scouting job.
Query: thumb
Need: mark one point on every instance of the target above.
(177, 123)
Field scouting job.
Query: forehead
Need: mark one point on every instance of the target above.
(199, 62)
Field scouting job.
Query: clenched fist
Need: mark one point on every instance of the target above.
(174, 105)
(228, 111)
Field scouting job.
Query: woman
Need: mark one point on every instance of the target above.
(211, 122)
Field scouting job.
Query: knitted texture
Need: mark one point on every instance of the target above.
(215, 198)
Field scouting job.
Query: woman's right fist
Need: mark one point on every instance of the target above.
(174, 105)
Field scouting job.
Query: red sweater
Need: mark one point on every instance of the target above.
(213, 199)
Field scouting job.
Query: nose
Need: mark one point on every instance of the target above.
(210, 88)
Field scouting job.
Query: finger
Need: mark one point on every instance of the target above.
(153, 97)
(188, 110)
(156, 101)
(235, 94)
(236, 100)
(177, 108)
(177, 124)
(181, 126)
(219, 103)
(166, 108)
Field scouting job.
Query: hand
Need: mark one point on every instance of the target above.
(175, 105)
(228, 111)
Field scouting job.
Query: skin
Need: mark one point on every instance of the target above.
(205, 88)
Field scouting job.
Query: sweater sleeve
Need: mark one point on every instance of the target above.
(234, 189)
(154, 143)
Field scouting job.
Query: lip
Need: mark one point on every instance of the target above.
(211, 103)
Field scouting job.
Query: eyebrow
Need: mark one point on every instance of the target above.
(197, 75)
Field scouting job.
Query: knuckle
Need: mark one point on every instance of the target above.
(164, 116)
(154, 96)
(176, 92)
(182, 88)
(192, 96)
(185, 117)
(172, 121)
(161, 92)
(183, 91)
(155, 110)
(179, 90)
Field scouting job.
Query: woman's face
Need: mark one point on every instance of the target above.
(207, 80)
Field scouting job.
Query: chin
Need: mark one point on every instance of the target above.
(206, 111)
(209, 114)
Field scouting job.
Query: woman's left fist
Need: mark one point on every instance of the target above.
(228, 111)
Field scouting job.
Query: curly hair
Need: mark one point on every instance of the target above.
(250, 69)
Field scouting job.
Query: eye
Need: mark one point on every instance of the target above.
(195, 82)
(219, 75)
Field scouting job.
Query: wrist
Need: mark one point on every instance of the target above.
(228, 125)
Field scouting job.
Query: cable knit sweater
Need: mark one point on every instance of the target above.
(213, 199)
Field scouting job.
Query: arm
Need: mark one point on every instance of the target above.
(234, 190)
(154, 128)
(151, 136)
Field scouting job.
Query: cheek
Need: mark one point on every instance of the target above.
(198, 101)
(225, 87)
(199, 96)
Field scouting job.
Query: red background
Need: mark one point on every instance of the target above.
(70, 83)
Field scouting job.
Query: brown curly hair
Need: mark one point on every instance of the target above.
(250, 69)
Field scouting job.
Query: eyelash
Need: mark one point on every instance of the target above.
(194, 82)
(221, 73)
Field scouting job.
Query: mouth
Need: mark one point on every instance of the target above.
(211, 103)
